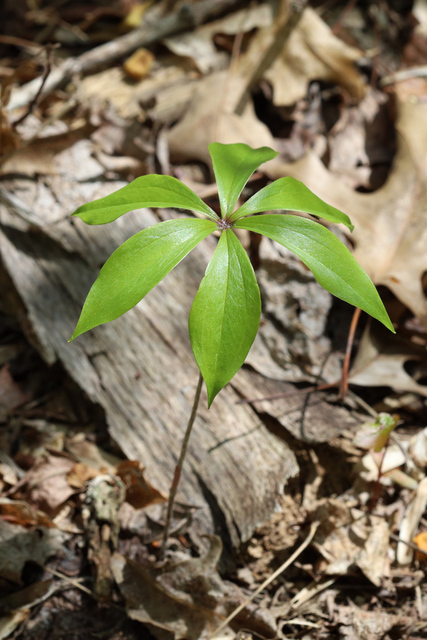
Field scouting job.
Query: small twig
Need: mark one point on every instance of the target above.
(178, 468)
(349, 348)
(290, 394)
(280, 38)
(71, 581)
(154, 28)
(412, 545)
(404, 74)
(20, 42)
(269, 580)
(46, 72)
(349, 7)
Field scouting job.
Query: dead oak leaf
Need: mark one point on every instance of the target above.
(210, 117)
(390, 233)
(313, 52)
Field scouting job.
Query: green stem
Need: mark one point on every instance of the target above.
(178, 468)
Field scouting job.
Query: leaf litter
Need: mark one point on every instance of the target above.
(70, 499)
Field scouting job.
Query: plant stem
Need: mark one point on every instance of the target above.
(346, 363)
(178, 468)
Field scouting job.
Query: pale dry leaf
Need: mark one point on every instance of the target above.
(199, 46)
(19, 545)
(46, 484)
(10, 622)
(390, 233)
(111, 87)
(313, 52)
(381, 360)
(90, 454)
(372, 559)
(210, 117)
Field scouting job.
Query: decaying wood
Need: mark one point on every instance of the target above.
(155, 27)
(140, 368)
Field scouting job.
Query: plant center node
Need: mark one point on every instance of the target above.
(224, 224)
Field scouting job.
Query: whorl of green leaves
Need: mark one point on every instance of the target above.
(226, 311)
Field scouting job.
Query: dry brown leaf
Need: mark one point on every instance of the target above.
(46, 484)
(372, 559)
(210, 118)
(390, 233)
(188, 599)
(80, 474)
(89, 454)
(347, 539)
(139, 492)
(381, 360)
(199, 46)
(312, 52)
(19, 545)
(11, 395)
(355, 623)
(20, 512)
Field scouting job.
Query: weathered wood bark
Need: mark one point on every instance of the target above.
(140, 368)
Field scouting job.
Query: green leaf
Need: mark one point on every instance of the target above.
(147, 191)
(137, 266)
(291, 195)
(233, 166)
(225, 315)
(331, 262)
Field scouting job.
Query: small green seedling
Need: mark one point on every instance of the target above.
(226, 311)
(375, 436)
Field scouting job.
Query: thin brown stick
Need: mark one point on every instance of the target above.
(289, 394)
(46, 72)
(269, 580)
(349, 348)
(179, 464)
(155, 27)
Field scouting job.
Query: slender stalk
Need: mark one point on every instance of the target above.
(178, 468)
(346, 363)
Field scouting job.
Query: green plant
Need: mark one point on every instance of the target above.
(226, 311)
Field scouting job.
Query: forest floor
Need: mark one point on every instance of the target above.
(98, 93)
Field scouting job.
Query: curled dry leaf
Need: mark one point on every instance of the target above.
(139, 492)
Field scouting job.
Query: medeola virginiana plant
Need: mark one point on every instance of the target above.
(226, 310)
